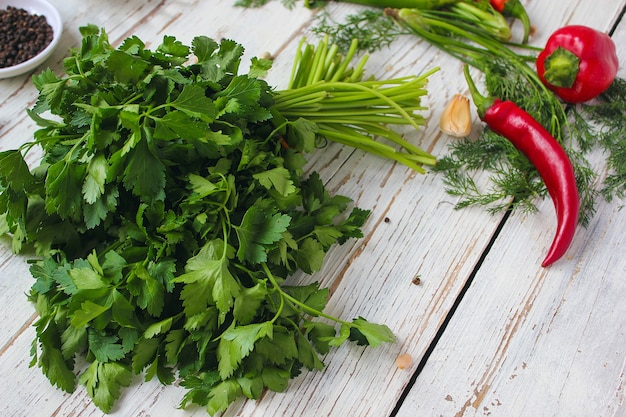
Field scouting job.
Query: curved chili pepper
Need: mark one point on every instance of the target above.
(545, 153)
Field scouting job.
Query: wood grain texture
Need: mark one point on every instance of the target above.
(524, 341)
(527, 341)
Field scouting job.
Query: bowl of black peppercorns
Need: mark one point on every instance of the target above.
(29, 32)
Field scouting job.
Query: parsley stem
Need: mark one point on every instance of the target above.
(291, 100)
(325, 90)
(374, 92)
(297, 304)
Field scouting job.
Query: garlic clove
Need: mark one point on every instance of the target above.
(456, 118)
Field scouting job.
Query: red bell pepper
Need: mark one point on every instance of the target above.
(578, 63)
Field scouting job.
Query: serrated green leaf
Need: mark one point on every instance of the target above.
(93, 187)
(63, 189)
(257, 231)
(259, 67)
(14, 171)
(203, 47)
(13, 206)
(193, 102)
(251, 387)
(320, 334)
(50, 87)
(113, 266)
(310, 255)
(88, 311)
(144, 174)
(158, 328)
(218, 63)
(95, 213)
(129, 337)
(57, 369)
(302, 134)
(104, 381)
(144, 353)
(248, 303)
(85, 278)
(163, 271)
(105, 347)
(174, 341)
(244, 89)
(311, 295)
(277, 178)
(151, 295)
(177, 124)
(126, 68)
(222, 395)
(328, 235)
(374, 334)
(276, 379)
(278, 349)
(73, 341)
(172, 46)
(42, 271)
(208, 281)
(123, 310)
(206, 320)
(237, 342)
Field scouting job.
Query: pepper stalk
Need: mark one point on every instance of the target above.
(515, 9)
(486, 17)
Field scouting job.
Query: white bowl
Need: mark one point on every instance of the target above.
(42, 8)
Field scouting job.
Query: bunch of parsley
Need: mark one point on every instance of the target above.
(167, 214)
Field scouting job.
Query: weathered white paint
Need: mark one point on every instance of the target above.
(531, 342)
(525, 341)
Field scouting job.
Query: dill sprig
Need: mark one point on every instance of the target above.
(373, 30)
(258, 3)
(603, 123)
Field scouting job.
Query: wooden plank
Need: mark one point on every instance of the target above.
(536, 342)
(532, 341)
(371, 277)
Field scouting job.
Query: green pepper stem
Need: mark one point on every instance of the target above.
(489, 19)
(561, 68)
(481, 102)
(514, 8)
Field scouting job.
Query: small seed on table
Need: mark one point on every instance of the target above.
(404, 361)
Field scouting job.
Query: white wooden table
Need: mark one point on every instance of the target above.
(489, 330)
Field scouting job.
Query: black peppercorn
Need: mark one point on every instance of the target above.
(22, 36)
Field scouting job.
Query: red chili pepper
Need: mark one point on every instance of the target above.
(513, 8)
(578, 63)
(545, 153)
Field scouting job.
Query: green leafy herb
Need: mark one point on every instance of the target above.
(372, 31)
(513, 182)
(170, 209)
(259, 3)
